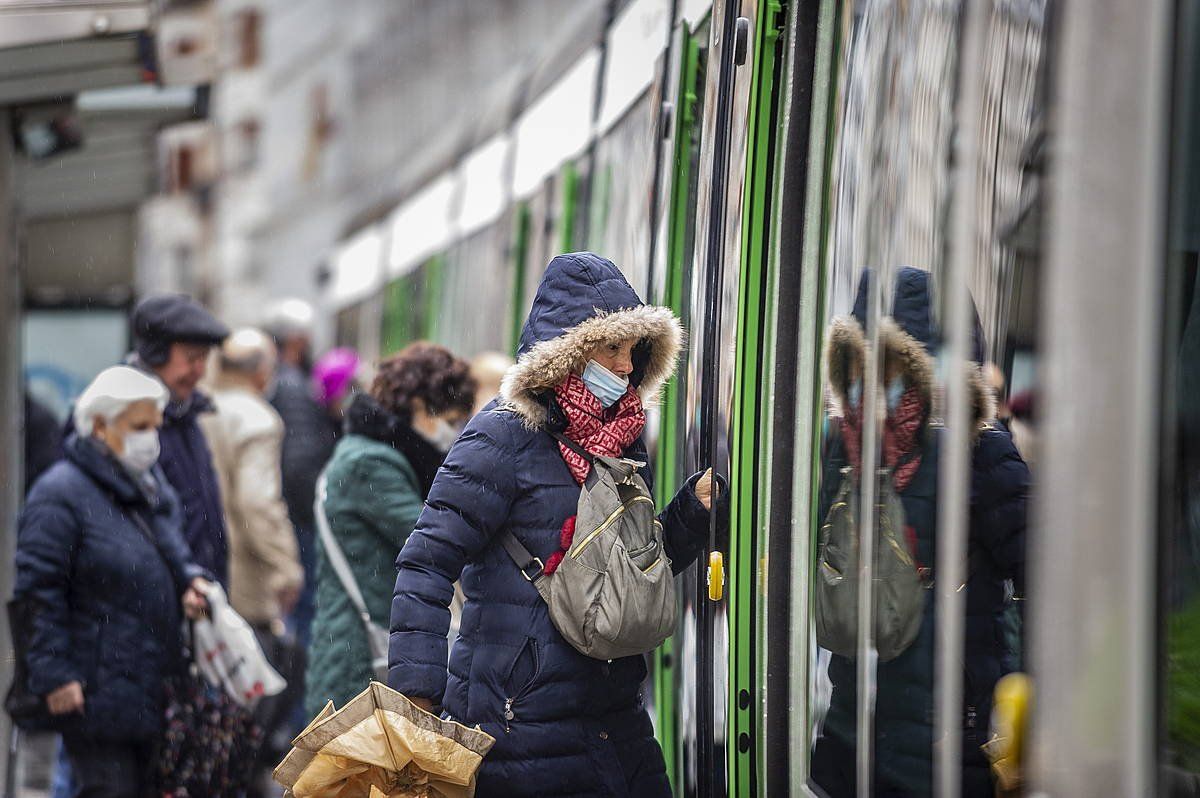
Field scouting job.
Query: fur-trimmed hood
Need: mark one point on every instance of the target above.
(582, 302)
(907, 338)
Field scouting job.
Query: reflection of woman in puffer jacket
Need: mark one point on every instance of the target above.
(904, 718)
(565, 724)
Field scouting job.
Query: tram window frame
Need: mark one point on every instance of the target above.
(1092, 641)
(1181, 273)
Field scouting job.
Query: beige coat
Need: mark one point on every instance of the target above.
(246, 436)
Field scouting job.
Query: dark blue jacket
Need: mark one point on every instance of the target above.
(43, 440)
(309, 436)
(904, 711)
(187, 463)
(904, 717)
(578, 725)
(109, 601)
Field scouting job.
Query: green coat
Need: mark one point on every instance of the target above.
(372, 505)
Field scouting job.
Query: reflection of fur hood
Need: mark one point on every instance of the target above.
(845, 355)
(907, 336)
(584, 301)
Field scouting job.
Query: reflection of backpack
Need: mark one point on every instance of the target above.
(898, 591)
(613, 595)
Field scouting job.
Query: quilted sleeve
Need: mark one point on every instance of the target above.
(386, 497)
(470, 500)
(46, 543)
(999, 504)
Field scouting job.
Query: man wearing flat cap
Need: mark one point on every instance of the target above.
(172, 337)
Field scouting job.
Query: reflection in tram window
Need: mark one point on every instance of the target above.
(887, 234)
(904, 529)
(1180, 534)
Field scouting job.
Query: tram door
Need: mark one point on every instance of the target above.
(1117, 634)
(711, 439)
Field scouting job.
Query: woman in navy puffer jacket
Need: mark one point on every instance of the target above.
(565, 724)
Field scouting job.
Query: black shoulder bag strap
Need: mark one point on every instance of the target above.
(975, 555)
(529, 565)
(147, 531)
(572, 445)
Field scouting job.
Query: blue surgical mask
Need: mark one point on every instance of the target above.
(895, 392)
(855, 393)
(606, 386)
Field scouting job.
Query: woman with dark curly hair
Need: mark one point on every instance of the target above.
(376, 482)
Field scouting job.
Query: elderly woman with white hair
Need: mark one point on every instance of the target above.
(102, 560)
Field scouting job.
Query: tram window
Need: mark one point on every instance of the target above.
(886, 361)
(1179, 549)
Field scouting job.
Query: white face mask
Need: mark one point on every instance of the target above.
(141, 450)
(443, 435)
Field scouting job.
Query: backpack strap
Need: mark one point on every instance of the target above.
(337, 558)
(530, 566)
(572, 445)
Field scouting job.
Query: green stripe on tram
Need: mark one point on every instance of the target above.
(434, 272)
(570, 203)
(520, 255)
(667, 466)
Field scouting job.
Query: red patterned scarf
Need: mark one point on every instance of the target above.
(900, 433)
(602, 432)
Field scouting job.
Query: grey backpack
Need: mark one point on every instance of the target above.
(613, 595)
(899, 591)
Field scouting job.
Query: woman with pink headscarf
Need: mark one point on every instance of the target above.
(333, 378)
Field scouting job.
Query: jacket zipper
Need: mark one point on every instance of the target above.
(509, 715)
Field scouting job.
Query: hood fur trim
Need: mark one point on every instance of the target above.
(548, 363)
(845, 356)
(907, 353)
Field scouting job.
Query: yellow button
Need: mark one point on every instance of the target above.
(716, 576)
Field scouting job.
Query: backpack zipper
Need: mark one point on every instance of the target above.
(609, 522)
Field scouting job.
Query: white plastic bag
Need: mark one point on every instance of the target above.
(228, 655)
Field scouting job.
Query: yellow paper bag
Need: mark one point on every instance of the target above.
(381, 745)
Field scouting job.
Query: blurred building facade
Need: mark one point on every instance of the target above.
(322, 118)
